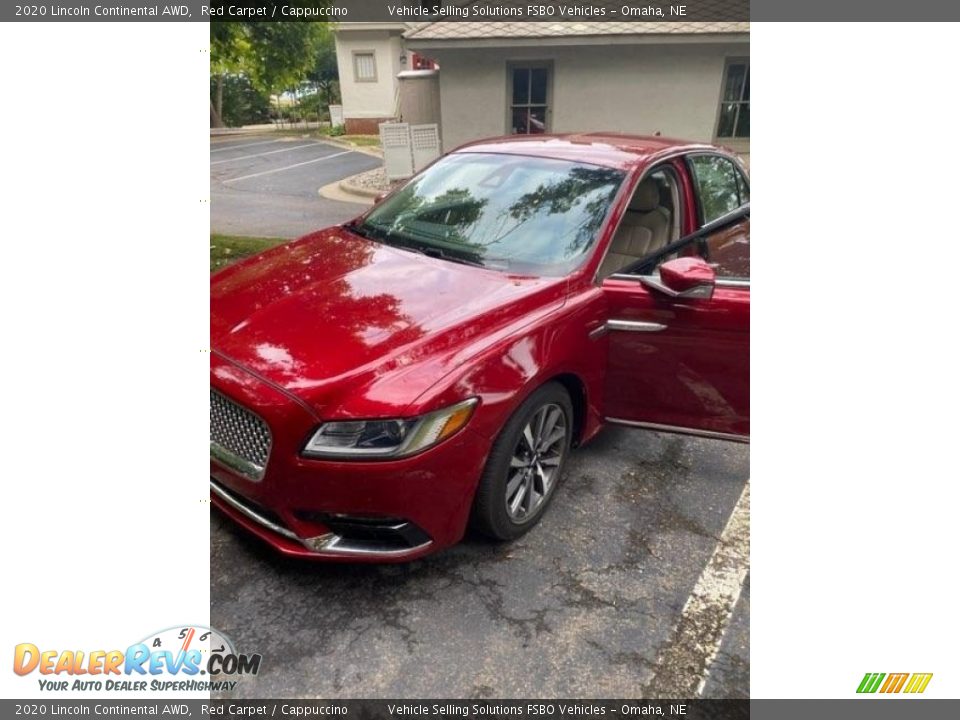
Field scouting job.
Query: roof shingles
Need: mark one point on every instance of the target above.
(489, 30)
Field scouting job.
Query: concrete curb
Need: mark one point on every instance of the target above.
(349, 187)
(343, 191)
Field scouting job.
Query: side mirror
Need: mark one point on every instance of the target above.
(686, 277)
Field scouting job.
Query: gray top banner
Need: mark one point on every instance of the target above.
(417, 11)
(410, 11)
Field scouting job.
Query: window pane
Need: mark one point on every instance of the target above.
(743, 124)
(538, 120)
(518, 124)
(528, 120)
(728, 250)
(743, 188)
(365, 66)
(735, 79)
(734, 117)
(728, 118)
(538, 86)
(521, 86)
(716, 181)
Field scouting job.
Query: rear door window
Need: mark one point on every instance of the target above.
(720, 187)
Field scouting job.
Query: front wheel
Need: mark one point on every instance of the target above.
(525, 465)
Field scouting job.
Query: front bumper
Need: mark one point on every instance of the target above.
(380, 511)
(328, 544)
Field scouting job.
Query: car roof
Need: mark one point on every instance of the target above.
(609, 149)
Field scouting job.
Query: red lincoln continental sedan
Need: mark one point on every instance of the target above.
(377, 386)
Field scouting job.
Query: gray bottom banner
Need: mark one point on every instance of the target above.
(872, 709)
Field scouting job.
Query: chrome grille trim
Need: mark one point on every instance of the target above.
(239, 439)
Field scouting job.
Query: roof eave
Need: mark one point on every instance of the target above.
(349, 27)
(416, 43)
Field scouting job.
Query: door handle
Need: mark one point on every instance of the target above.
(634, 326)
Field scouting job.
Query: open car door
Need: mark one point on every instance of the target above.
(678, 325)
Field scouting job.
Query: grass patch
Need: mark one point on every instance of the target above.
(362, 140)
(226, 249)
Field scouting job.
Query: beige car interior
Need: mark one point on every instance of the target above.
(649, 223)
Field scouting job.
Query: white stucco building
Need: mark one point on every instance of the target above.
(680, 79)
(688, 80)
(369, 58)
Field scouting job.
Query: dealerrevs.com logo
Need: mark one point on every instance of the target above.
(910, 683)
(182, 659)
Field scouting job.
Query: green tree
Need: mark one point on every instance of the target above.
(274, 56)
(229, 49)
(324, 76)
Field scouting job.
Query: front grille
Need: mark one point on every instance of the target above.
(238, 438)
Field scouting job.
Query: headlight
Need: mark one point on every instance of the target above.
(388, 438)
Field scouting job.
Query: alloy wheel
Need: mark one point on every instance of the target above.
(536, 462)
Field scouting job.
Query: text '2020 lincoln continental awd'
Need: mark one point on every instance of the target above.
(377, 386)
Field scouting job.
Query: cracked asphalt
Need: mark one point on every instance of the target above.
(583, 606)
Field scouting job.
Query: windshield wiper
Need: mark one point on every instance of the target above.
(436, 252)
(361, 230)
(373, 232)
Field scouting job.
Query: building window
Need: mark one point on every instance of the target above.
(364, 66)
(529, 106)
(734, 120)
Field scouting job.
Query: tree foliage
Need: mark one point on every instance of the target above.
(325, 75)
(272, 56)
(242, 104)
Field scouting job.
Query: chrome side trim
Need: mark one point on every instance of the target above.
(680, 430)
(328, 543)
(731, 283)
(634, 326)
(251, 513)
(598, 332)
(234, 462)
(720, 282)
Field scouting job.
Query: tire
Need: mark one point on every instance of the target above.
(510, 498)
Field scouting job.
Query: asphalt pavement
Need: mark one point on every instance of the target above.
(266, 186)
(593, 603)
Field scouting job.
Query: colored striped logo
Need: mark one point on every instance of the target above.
(894, 682)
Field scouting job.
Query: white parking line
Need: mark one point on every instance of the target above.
(269, 152)
(684, 665)
(237, 147)
(288, 167)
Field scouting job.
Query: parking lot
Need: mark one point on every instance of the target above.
(267, 186)
(632, 586)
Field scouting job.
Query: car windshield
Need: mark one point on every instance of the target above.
(518, 214)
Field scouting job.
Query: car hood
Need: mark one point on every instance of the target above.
(325, 315)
